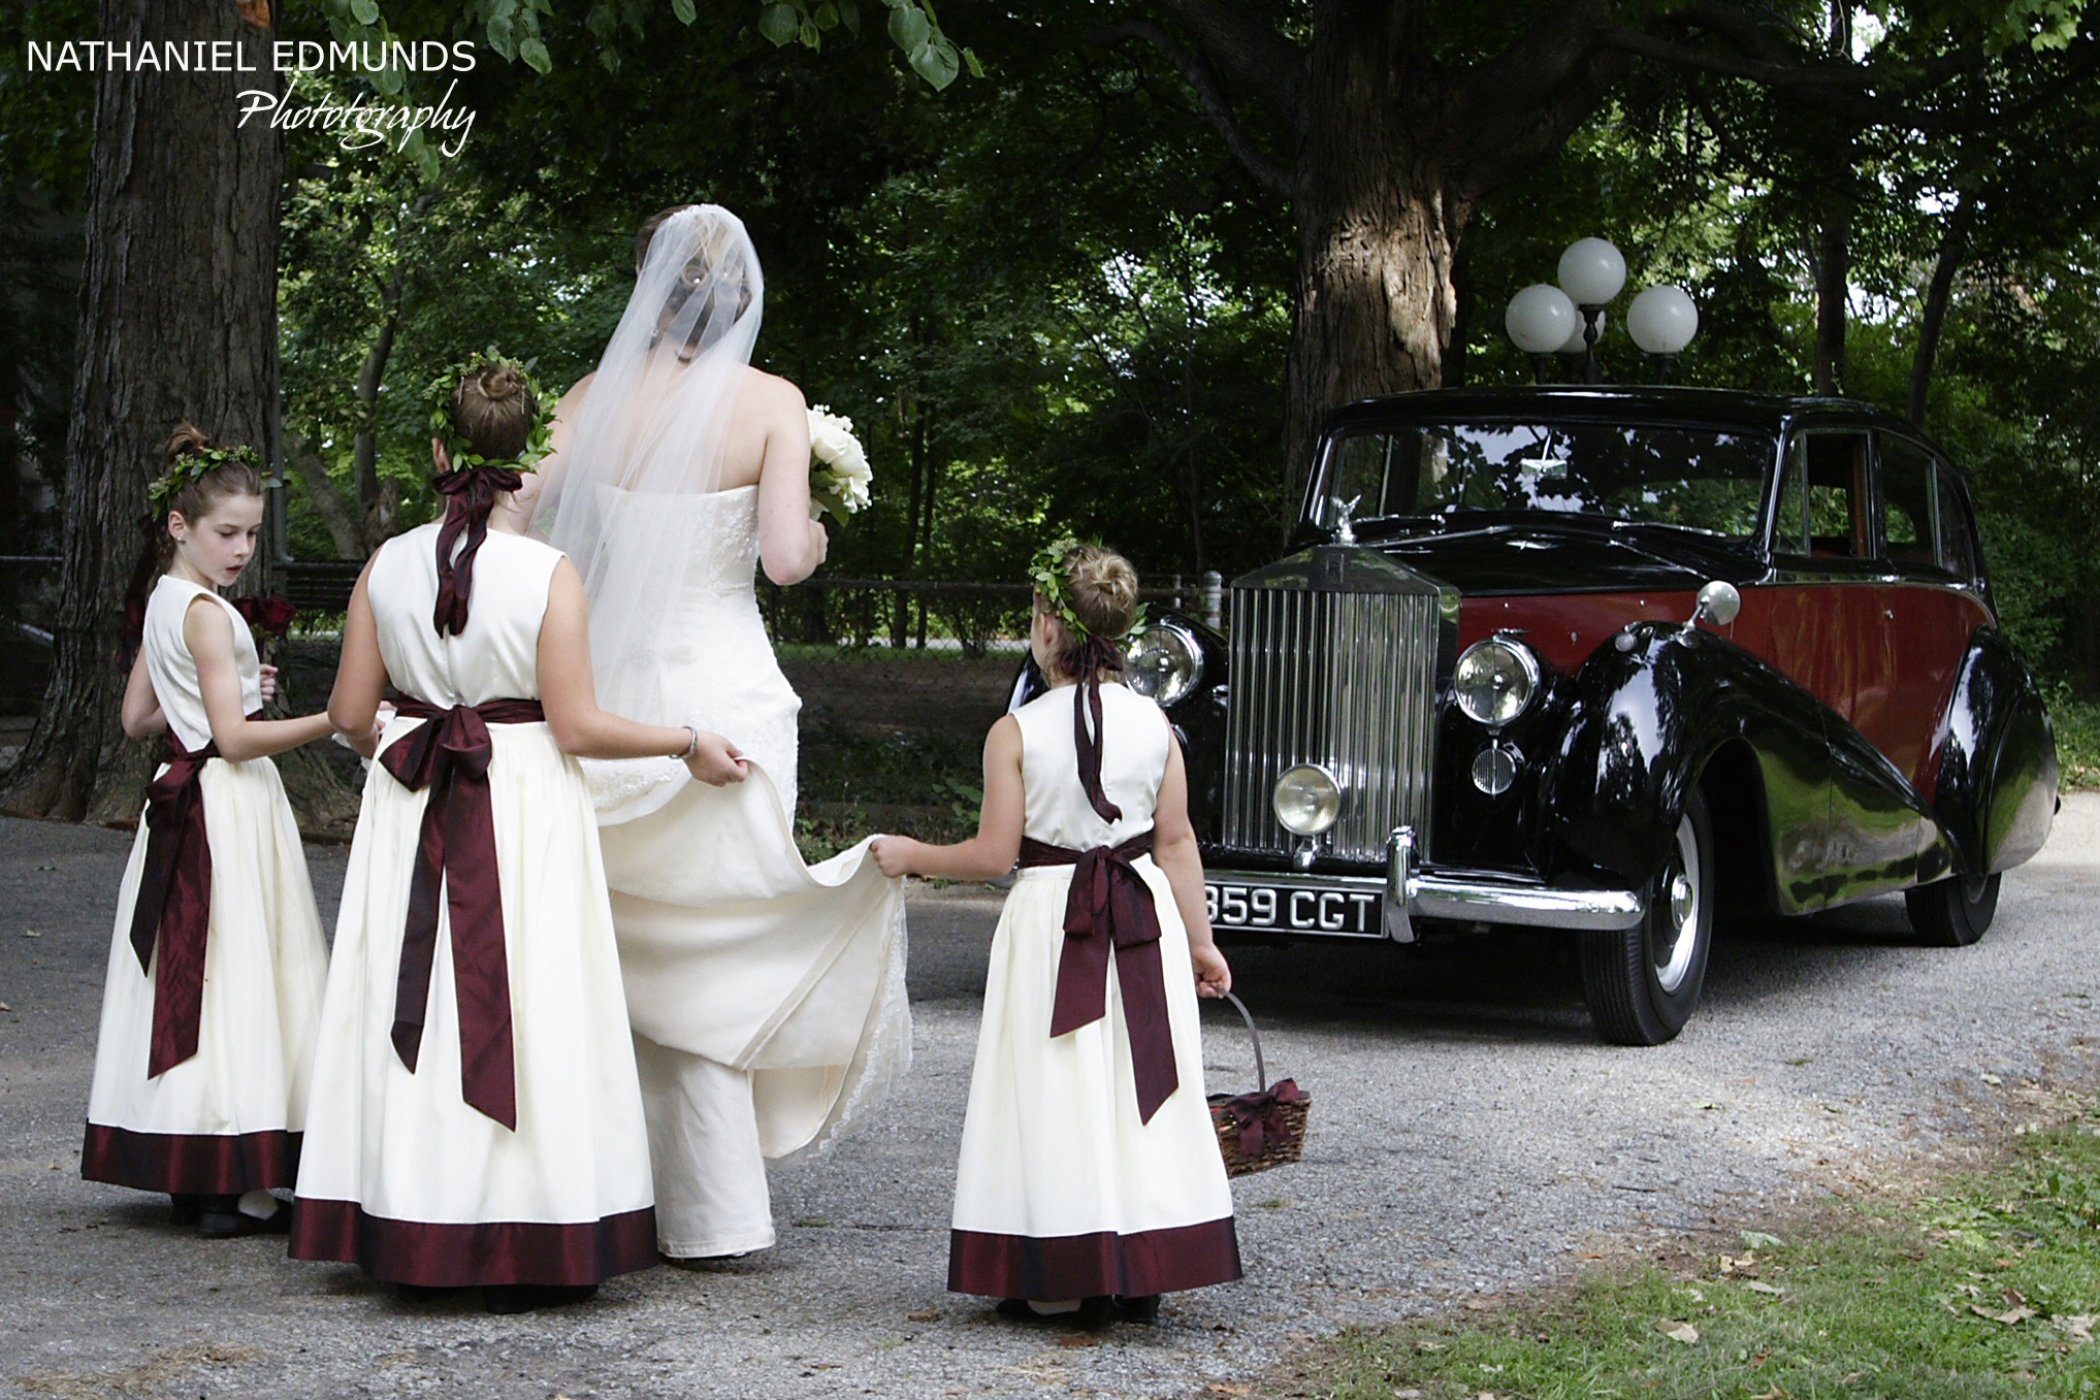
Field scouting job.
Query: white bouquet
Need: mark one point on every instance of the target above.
(839, 474)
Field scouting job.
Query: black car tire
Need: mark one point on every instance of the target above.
(1642, 983)
(1952, 913)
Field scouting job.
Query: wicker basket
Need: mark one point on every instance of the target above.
(1262, 1129)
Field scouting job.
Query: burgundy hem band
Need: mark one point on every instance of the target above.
(430, 1255)
(203, 1164)
(1088, 1266)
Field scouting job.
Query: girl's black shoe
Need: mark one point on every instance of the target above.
(185, 1207)
(508, 1299)
(1143, 1310)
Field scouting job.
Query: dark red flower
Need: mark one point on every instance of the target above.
(272, 614)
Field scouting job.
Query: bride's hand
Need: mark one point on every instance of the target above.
(717, 762)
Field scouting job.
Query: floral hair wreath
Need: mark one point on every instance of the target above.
(194, 465)
(1047, 572)
(444, 391)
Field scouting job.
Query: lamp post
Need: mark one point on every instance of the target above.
(1544, 320)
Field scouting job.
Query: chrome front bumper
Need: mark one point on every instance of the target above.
(1408, 893)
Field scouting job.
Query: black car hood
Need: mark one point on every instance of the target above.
(1543, 555)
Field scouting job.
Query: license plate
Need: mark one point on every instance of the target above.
(1244, 906)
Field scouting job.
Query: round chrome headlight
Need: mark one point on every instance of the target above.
(1495, 681)
(1307, 800)
(1165, 663)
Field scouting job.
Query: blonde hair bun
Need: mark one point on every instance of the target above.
(1104, 589)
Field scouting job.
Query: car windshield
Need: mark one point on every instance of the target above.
(1693, 478)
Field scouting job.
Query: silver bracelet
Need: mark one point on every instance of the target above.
(691, 748)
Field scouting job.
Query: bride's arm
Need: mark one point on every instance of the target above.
(790, 544)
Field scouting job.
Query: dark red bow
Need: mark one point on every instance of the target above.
(174, 901)
(449, 754)
(1260, 1118)
(1086, 664)
(1110, 909)
(470, 495)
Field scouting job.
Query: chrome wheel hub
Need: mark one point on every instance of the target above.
(1676, 938)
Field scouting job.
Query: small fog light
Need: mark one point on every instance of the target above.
(1495, 768)
(1307, 800)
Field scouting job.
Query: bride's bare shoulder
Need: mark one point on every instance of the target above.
(772, 393)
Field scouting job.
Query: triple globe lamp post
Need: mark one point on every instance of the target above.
(1566, 320)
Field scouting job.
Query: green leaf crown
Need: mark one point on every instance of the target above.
(195, 465)
(1047, 572)
(444, 391)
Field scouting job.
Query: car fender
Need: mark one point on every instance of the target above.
(1654, 706)
(1995, 754)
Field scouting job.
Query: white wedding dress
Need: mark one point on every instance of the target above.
(766, 996)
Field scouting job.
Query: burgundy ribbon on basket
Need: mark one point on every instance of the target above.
(470, 495)
(174, 901)
(1259, 1117)
(1110, 909)
(449, 754)
(1086, 664)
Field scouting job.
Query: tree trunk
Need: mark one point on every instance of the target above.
(345, 523)
(1953, 243)
(1376, 235)
(1833, 274)
(178, 320)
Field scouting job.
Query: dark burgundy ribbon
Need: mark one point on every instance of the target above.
(470, 495)
(1085, 664)
(449, 754)
(1110, 909)
(1259, 1116)
(174, 901)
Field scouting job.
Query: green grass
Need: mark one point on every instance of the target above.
(2077, 739)
(1988, 1288)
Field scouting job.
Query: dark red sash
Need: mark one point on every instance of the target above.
(1110, 908)
(174, 900)
(1086, 665)
(449, 754)
(470, 494)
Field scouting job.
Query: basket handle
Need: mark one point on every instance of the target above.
(1261, 1073)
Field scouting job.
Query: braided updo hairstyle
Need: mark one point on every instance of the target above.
(495, 411)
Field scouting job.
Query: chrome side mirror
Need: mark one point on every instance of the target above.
(1719, 602)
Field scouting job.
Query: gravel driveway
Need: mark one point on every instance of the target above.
(1468, 1134)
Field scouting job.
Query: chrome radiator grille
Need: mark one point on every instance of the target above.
(1343, 679)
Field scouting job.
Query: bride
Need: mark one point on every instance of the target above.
(766, 997)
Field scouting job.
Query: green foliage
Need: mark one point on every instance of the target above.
(1991, 1289)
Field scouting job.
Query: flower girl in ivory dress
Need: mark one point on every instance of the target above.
(215, 974)
(476, 1118)
(1090, 1180)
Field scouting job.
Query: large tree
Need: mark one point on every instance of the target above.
(1386, 123)
(178, 320)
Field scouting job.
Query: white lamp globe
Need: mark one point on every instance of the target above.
(1662, 320)
(1592, 271)
(1575, 344)
(1540, 318)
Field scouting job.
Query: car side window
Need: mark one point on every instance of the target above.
(1908, 517)
(1822, 512)
(1957, 553)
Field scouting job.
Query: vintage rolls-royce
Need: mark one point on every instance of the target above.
(1610, 661)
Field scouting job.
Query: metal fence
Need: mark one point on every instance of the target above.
(899, 678)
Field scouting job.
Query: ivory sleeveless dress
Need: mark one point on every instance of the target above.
(228, 1119)
(401, 1175)
(1061, 1192)
(766, 996)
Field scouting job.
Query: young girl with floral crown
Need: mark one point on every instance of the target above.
(477, 1118)
(215, 973)
(1090, 1181)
